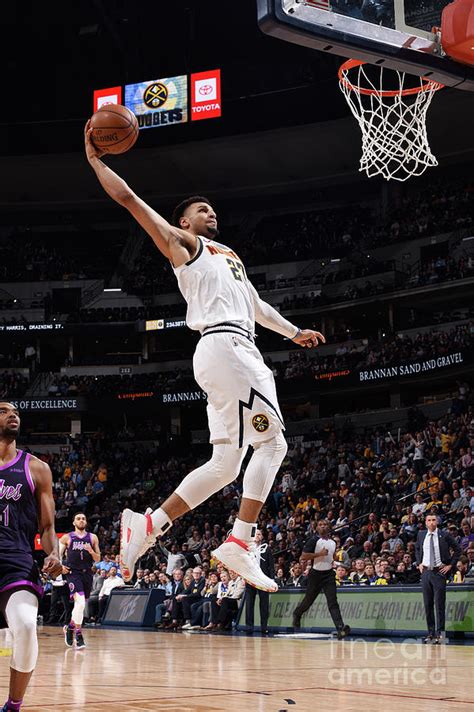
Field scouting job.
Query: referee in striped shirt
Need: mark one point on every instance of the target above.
(320, 550)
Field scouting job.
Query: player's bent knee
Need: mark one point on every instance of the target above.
(263, 466)
(219, 471)
(77, 614)
(79, 602)
(25, 646)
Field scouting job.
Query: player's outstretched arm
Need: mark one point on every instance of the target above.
(46, 512)
(175, 244)
(270, 318)
(307, 338)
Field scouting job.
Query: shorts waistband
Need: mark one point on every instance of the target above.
(229, 328)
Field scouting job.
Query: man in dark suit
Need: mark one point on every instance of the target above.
(267, 565)
(436, 555)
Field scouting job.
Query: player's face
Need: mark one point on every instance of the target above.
(201, 219)
(9, 421)
(80, 521)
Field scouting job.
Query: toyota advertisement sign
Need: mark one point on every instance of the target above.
(173, 100)
(206, 95)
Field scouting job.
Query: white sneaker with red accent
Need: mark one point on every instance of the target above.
(136, 537)
(241, 557)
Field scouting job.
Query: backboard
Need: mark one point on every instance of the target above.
(397, 34)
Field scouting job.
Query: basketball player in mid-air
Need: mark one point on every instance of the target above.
(82, 551)
(26, 502)
(242, 402)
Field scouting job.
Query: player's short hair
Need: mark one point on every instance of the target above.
(180, 209)
(79, 513)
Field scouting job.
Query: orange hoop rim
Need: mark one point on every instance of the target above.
(429, 84)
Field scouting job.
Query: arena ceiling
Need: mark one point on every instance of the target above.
(284, 119)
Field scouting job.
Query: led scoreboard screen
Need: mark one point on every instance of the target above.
(159, 102)
(172, 100)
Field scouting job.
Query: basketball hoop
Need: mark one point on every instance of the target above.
(392, 120)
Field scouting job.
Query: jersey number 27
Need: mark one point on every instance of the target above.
(237, 269)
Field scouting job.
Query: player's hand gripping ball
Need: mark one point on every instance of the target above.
(114, 128)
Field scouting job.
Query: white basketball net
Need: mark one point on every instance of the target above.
(393, 122)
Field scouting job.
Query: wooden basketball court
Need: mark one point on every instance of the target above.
(186, 672)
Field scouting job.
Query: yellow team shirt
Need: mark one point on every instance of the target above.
(446, 441)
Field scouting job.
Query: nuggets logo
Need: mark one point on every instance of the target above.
(260, 423)
(155, 95)
(158, 102)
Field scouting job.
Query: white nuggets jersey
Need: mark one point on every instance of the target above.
(242, 405)
(215, 287)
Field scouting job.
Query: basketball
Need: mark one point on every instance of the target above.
(114, 128)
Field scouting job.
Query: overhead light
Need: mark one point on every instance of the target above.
(117, 289)
(88, 30)
(337, 259)
(465, 239)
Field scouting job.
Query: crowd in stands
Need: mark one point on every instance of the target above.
(442, 269)
(128, 313)
(390, 350)
(27, 256)
(325, 232)
(112, 385)
(373, 487)
(428, 273)
(13, 384)
(435, 210)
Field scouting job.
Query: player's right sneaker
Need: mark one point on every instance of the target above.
(80, 640)
(68, 636)
(136, 537)
(238, 556)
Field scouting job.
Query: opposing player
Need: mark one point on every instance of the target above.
(242, 402)
(26, 501)
(82, 550)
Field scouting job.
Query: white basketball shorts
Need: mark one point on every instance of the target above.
(241, 393)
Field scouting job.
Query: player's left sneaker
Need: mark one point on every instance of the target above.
(68, 636)
(238, 556)
(136, 537)
(79, 640)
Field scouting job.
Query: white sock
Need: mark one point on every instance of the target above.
(244, 530)
(161, 521)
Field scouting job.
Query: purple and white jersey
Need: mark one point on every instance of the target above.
(77, 558)
(18, 511)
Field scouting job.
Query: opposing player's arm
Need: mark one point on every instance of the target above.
(176, 245)
(270, 318)
(43, 482)
(63, 545)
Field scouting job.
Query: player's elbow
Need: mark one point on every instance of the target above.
(127, 198)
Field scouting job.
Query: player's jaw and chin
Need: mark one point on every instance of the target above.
(10, 432)
(209, 231)
(203, 228)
